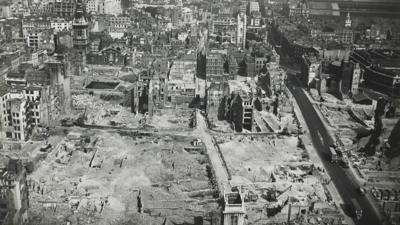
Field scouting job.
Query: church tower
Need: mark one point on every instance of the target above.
(80, 28)
(241, 30)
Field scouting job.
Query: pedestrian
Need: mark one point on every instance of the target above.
(102, 206)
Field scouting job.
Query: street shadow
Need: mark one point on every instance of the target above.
(346, 209)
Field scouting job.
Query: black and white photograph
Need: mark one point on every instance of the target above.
(199, 112)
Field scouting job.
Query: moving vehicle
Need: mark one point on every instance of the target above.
(356, 209)
(333, 155)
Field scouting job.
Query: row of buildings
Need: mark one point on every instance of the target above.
(335, 54)
(60, 8)
(366, 74)
(312, 9)
(36, 83)
(33, 96)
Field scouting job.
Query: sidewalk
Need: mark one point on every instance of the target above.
(217, 163)
(325, 122)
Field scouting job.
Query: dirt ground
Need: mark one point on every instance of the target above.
(267, 153)
(105, 188)
(174, 119)
(271, 165)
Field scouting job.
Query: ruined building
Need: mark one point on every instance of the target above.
(234, 210)
(20, 105)
(14, 201)
(56, 97)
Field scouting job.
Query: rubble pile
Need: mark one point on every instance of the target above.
(171, 119)
(275, 175)
(90, 178)
(362, 133)
(104, 113)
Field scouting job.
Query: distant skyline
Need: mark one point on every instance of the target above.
(383, 1)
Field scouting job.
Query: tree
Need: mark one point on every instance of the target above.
(257, 104)
(221, 109)
(242, 71)
(237, 113)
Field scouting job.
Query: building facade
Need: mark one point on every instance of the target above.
(14, 200)
(92, 6)
(80, 29)
(111, 7)
(234, 209)
(215, 67)
(60, 24)
(21, 112)
(241, 24)
(63, 8)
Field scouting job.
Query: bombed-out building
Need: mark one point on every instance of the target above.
(14, 201)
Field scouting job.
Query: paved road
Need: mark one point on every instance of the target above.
(216, 161)
(342, 178)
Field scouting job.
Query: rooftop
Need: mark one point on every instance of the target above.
(324, 8)
(382, 57)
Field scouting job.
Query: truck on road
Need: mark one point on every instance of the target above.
(333, 154)
(356, 209)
